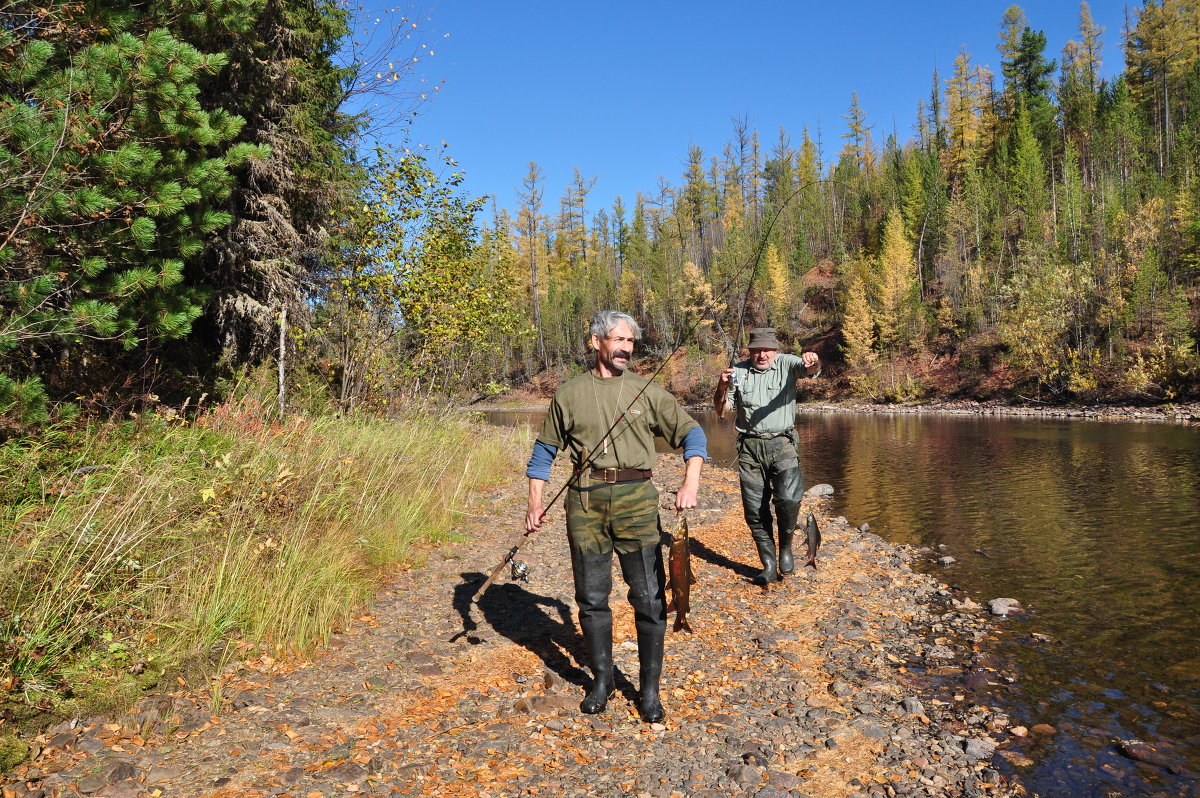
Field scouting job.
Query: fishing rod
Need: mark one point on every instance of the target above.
(765, 240)
(522, 574)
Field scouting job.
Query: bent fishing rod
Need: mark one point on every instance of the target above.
(588, 454)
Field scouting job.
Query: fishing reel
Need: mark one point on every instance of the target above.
(520, 571)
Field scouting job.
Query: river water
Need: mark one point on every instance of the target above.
(1092, 525)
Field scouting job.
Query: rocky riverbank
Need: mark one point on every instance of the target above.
(1180, 413)
(852, 680)
(1188, 413)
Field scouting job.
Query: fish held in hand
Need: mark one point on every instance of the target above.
(813, 533)
(682, 579)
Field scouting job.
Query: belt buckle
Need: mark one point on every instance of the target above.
(608, 481)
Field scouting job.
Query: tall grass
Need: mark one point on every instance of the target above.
(158, 544)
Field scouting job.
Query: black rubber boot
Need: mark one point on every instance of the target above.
(593, 583)
(786, 563)
(756, 506)
(766, 554)
(787, 487)
(643, 572)
(786, 513)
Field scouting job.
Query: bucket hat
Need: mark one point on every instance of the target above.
(764, 338)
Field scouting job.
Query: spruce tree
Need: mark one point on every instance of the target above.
(284, 76)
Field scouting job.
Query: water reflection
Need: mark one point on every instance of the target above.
(1093, 525)
(1090, 524)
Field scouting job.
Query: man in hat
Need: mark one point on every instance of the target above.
(763, 389)
(608, 419)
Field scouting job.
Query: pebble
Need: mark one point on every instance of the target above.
(977, 750)
(1004, 607)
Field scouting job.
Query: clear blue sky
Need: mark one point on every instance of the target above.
(622, 89)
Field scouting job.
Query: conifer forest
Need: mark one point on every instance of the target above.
(185, 194)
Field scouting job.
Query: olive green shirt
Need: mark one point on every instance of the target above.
(766, 400)
(584, 408)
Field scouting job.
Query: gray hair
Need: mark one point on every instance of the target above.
(605, 320)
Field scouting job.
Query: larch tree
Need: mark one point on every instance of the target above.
(697, 210)
(1160, 49)
(897, 285)
(913, 196)
(1078, 88)
(857, 135)
(529, 220)
(810, 205)
(778, 293)
(572, 218)
(858, 334)
(963, 122)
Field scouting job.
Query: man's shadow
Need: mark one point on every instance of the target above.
(698, 549)
(541, 624)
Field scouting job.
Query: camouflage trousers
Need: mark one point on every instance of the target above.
(621, 516)
(770, 474)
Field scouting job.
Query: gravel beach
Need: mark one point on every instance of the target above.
(836, 682)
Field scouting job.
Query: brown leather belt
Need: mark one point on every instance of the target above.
(767, 436)
(611, 475)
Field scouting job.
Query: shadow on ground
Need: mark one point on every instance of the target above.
(698, 549)
(541, 624)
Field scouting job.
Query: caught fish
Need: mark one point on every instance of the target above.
(681, 577)
(813, 533)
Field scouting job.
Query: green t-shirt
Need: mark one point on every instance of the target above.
(766, 400)
(584, 408)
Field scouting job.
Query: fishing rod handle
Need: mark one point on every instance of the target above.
(495, 573)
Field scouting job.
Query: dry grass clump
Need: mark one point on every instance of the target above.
(150, 547)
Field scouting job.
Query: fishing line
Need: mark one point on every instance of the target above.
(707, 309)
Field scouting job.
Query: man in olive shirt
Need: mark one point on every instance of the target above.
(608, 419)
(763, 389)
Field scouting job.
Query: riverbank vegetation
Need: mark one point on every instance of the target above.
(187, 208)
(167, 546)
(1036, 236)
(185, 191)
(188, 195)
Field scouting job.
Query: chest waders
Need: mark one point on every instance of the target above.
(770, 474)
(621, 517)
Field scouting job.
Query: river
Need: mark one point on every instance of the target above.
(1092, 525)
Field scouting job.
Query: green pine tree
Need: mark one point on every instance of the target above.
(115, 174)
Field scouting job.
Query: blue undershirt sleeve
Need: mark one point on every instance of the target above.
(540, 461)
(695, 444)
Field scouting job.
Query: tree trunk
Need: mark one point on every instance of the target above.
(282, 352)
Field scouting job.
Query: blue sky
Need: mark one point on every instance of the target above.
(622, 89)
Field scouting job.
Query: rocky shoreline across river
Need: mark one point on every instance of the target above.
(1180, 413)
(1187, 413)
(851, 680)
